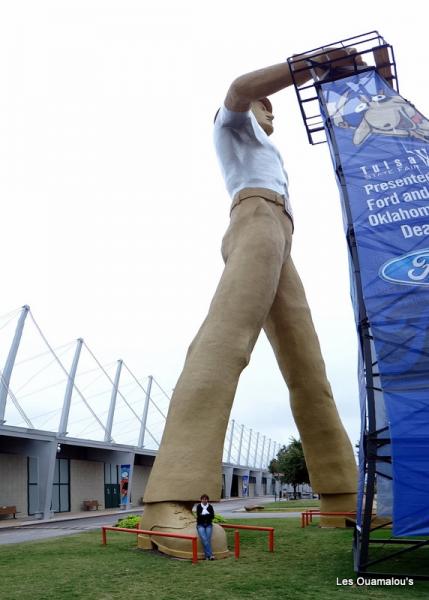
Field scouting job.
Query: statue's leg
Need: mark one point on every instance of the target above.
(327, 448)
(190, 457)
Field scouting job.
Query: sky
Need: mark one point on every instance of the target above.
(113, 206)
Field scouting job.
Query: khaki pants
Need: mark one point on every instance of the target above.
(259, 288)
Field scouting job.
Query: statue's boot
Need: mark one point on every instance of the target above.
(337, 503)
(177, 517)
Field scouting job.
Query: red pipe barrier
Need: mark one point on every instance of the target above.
(307, 516)
(271, 541)
(236, 544)
(254, 528)
(193, 538)
(194, 550)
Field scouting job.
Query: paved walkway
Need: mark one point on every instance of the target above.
(13, 531)
(231, 504)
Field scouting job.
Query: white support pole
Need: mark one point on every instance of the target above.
(258, 484)
(268, 453)
(48, 455)
(62, 430)
(10, 361)
(274, 455)
(140, 443)
(228, 473)
(248, 448)
(262, 453)
(109, 424)
(255, 460)
(240, 445)
(231, 434)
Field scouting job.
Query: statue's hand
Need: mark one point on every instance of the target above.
(331, 58)
(340, 58)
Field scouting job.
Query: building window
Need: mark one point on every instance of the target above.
(61, 486)
(111, 474)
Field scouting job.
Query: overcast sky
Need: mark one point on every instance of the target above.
(113, 207)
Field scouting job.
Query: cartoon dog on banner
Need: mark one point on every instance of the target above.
(381, 115)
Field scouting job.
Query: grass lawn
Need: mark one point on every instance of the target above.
(305, 565)
(291, 505)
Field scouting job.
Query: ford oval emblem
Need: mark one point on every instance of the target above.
(409, 269)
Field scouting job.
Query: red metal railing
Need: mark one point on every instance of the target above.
(236, 544)
(307, 515)
(193, 538)
(253, 528)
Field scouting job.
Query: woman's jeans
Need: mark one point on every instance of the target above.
(205, 534)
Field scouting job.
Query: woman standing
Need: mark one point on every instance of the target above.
(205, 516)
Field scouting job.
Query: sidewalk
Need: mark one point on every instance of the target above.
(70, 516)
(26, 521)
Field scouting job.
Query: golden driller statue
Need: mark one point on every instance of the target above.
(259, 288)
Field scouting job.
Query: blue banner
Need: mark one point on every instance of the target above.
(380, 149)
(245, 485)
(123, 484)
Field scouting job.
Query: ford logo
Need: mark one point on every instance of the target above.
(410, 269)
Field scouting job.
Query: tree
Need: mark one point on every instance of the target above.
(290, 464)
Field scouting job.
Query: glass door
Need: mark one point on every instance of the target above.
(111, 486)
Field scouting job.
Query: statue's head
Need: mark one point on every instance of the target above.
(263, 111)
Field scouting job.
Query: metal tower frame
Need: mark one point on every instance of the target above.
(378, 55)
(371, 47)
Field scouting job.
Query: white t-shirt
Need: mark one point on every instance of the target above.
(246, 155)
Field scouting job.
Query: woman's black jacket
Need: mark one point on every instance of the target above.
(205, 519)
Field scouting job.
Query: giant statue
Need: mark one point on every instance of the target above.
(259, 289)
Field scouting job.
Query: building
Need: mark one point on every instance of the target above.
(42, 473)
(46, 471)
